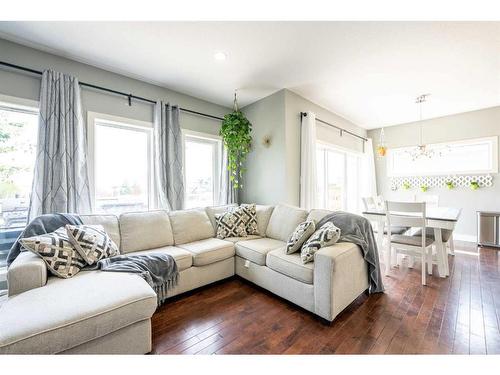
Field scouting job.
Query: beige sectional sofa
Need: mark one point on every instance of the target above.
(106, 312)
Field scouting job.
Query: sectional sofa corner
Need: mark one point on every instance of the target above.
(104, 312)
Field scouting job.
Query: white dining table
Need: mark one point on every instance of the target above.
(437, 218)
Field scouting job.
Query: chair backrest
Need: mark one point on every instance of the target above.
(405, 214)
(429, 199)
(380, 202)
(369, 203)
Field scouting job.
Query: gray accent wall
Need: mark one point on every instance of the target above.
(475, 124)
(18, 84)
(273, 173)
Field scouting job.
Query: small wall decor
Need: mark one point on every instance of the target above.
(266, 141)
(450, 182)
(474, 185)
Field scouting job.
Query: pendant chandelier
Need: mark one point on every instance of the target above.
(421, 151)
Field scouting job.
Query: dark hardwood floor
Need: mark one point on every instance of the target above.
(459, 314)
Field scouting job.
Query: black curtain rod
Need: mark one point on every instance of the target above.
(111, 91)
(342, 130)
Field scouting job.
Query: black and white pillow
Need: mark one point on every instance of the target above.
(92, 242)
(232, 223)
(327, 235)
(57, 252)
(251, 211)
(299, 236)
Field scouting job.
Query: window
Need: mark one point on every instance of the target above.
(18, 139)
(202, 162)
(469, 156)
(338, 179)
(121, 172)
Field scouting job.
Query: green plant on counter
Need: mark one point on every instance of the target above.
(406, 185)
(474, 185)
(424, 188)
(449, 184)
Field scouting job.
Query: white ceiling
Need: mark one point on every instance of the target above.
(368, 72)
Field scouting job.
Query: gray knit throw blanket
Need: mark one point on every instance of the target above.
(158, 270)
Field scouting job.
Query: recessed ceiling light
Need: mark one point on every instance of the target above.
(220, 56)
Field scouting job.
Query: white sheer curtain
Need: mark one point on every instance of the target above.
(308, 178)
(368, 175)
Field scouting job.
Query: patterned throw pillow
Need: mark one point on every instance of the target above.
(327, 235)
(299, 236)
(57, 252)
(251, 211)
(92, 242)
(232, 223)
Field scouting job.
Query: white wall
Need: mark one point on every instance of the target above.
(467, 125)
(15, 83)
(273, 174)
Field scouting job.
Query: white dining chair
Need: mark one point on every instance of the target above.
(407, 214)
(369, 203)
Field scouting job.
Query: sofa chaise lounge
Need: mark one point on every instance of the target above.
(98, 312)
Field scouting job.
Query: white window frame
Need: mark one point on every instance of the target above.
(346, 151)
(206, 138)
(121, 123)
(493, 164)
(24, 105)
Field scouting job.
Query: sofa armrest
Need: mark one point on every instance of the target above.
(340, 276)
(27, 272)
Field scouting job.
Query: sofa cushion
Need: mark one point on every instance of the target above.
(145, 230)
(290, 265)
(212, 211)
(190, 225)
(263, 216)
(238, 239)
(57, 252)
(110, 224)
(70, 312)
(256, 250)
(92, 242)
(283, 221)
(209, 251)
(318, 214)
(232, 223)
(183, 258)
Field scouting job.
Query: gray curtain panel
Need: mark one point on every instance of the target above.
(168, 157)
(227, 193)
(60, 182)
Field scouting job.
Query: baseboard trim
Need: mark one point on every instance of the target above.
(465, 237)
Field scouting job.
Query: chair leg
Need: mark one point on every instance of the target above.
(452, 245)
(429, 261)
(424, 262)
(387, 260)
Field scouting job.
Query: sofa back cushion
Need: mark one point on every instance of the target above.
(263, 216)
(145, 230)
(283, 221)
(318, 214)
(212, 211)
(190, 226)
(109, 223)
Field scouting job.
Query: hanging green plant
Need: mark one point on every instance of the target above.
(424, 188)
(474, 185)
(235, 132)
(450, 185)
(406, 185)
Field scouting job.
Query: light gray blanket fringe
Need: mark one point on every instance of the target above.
(158, 270)
(358, 230)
